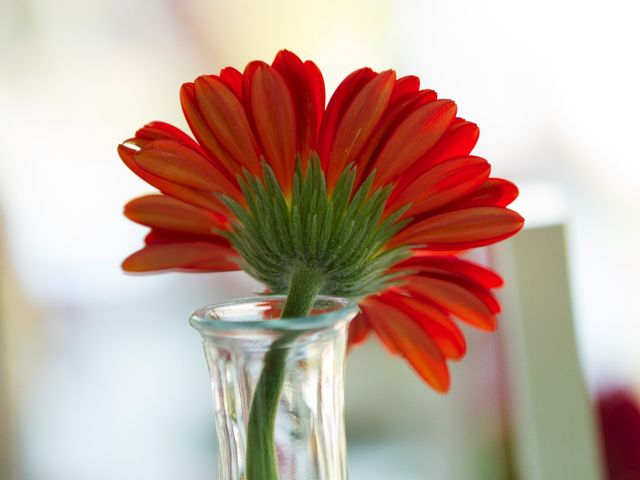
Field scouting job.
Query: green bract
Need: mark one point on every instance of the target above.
(339, 237)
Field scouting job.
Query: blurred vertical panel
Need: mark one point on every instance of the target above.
(552, 415)
(17, 314)
(6, 457)
(5, 440)
(5, 427)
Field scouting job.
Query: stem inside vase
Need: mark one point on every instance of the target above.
(261, 461)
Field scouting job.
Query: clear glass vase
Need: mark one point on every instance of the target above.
(243, 336)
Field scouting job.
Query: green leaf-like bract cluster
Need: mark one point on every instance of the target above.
(341, 237)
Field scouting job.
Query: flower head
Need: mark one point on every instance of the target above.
(376, 194)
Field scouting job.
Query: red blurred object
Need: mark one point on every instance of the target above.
(620, 426)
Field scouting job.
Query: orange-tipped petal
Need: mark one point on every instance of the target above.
(194, 197)
(226, 119)
(184, 166)
(462, 229)
(359, 121)
(450, 265)
(189, 256)
(442, 184)
(275, 122)
(160, 211)
(419, 132)
(338, 104)
(409, 340)
(444, 332)
(454, 298)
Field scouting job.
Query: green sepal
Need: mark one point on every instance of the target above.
(342, 234)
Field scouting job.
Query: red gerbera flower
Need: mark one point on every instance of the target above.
(397, 144)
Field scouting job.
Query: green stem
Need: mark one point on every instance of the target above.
(262, 464)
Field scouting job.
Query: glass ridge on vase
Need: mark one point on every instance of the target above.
(309, 424)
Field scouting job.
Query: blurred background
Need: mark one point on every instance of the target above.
(100, 375)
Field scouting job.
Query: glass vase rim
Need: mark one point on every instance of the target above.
(201, 318)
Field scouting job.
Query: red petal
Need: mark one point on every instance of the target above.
(247, 80)
(194, 197)
(338, 104)
(479, 291)
(475, 288)
(459, 140)
(318, 94)
(453, 298)
(358, 330)
(461, 229)
(409, 340)
(442, 184)
(232, 78)
(359, 121)
(452, 265)
(275, 122)
(190, 256)
(162, 131)
(203, 134)
(306, 84)
(494, 192)
(226, 119)
(158, 235)
(183, 166)
(167, 213)
(413, 138)
(405, 86)
(444, 332)
(395, 114)
(386, 340)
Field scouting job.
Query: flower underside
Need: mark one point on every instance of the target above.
(233, 195)
(339, 236)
